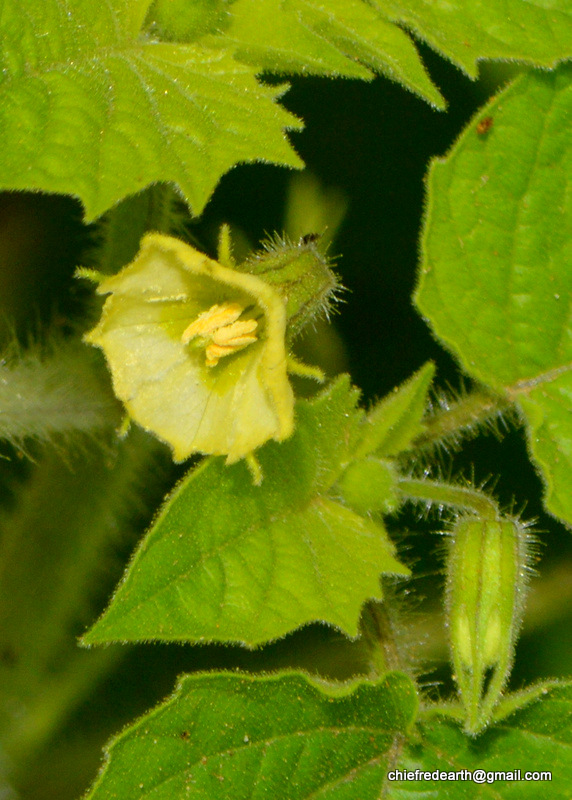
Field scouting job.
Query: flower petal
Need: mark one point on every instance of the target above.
(227, 409)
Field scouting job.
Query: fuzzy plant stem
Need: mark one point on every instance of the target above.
(52, 392)
(470, 411)
(380, 636)
(56, 548)
(447, 494)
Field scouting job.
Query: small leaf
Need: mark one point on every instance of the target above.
(537, 738)
(496, 281)
(228, 736)
(393, 423)
(229, 561)
(89, 107)
(534, 31)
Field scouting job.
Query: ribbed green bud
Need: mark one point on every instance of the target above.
(301, 276)
(486, 586)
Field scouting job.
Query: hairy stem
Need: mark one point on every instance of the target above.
(473, 409)
(448, 494)
(58, 540)
(378, 632)
(53, 391)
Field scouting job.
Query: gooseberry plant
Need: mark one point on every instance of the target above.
(283, 516)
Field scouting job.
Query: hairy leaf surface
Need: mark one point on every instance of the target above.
(538, 32)
(91, 107)
(496, 282)
(229, 736)
(393, 423)
(537, 738)
(340, 38)
(230, 561)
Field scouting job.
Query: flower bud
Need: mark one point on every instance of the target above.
(301, 276)
(486, 585)
(368, 485)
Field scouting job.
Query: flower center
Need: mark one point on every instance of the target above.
(221, 331)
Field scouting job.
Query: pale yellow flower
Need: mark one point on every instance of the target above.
(196, 351)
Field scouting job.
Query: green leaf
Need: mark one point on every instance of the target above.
(89, 107)
(496, 281)
(229, 736)
(548, 409)
(393, 423)
(230, 561)
(184, 21)
(537, 738)
(538, 32)
(340, 38)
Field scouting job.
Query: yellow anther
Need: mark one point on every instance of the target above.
(209, 321)
(238, 333)
(214, 352)
(222, 331)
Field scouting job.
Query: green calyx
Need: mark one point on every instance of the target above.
(486, 587)
(300, 274)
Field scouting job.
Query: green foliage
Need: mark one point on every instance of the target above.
(341, 38)
(184, 21)
(99, 111)
(137, 109)
(50, 565)
(223, 736)
(536, 737)
(219, 731)
(77, 85)
(495, 278)
(392, 424)
(465, 31)
(249, 564)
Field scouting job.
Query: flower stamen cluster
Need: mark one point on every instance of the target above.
(220, 329)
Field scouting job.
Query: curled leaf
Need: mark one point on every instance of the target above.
(196, 351)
